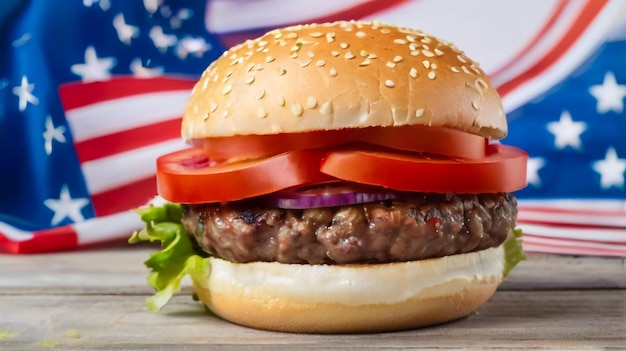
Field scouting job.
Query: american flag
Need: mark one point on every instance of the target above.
(91, 96)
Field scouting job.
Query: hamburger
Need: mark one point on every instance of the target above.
(342, 177)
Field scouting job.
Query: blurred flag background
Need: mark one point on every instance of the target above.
(93, 91)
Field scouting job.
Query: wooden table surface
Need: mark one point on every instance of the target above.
(95, 300)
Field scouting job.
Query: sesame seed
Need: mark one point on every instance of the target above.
(438, 52)
(278, 35)
(344, 45)
(225, 113)
(432, 75)
(320, 63)
(397, 58)
(261, 113)
(297, 109)
(454, 69)
(292, 35)
(269, 59)
(391, 64)
(316, 34)
(389, 83)
(227, 89)
(363, 53)
(206, 116)
(481, 83)
(281, 101)
(411, 38)
(426, 64)
(205, 84)
(419, 112)
(461, 58)
(413, 73)
(296, 47)
(249, 80)
(305, 63)
(399, 41)
(365, 62)
(262, 43)
(330, 37)
(335, 53)
(415, 53)
(260, 94)
(475, 105)
(372, 56)
(433, 66)
(294, 55)
(360, 34)
(466, 70)
(310, 54)
(233, 56)
(310, 102)
(413, 46)
(326, 109)
(385, 31)
(229, 73)
(428, 53)
(212, 107)
(425, 47)
(349, 55)
(282, 71)
(475, 69)
(426, 40)
(332, 72)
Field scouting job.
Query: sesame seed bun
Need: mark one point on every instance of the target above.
(342, 75)
(351, 298)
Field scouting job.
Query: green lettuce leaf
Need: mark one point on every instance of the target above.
(513, 252)
(176, 258)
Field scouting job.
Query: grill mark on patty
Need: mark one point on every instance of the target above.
(420, 227)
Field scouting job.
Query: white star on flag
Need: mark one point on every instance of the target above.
(532, 170)
(152, 5)
(140, 71)
(567, 132)
(609, 94)
(125, 32)
(66, 207)
(161, 40)
(195, 46)
(24, 93)
(94, 68)
(52, 133)
(611, 170)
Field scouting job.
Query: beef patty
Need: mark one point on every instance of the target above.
(422, 226)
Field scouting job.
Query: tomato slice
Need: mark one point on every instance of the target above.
(187, 176)
(503, 169)
(429, 140)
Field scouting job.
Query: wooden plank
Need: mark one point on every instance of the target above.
(510, 320)
(121, 270)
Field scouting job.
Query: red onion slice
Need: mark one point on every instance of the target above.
(328, 194)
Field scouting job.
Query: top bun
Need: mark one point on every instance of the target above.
(342, 75)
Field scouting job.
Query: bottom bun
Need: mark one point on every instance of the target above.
(351, 298)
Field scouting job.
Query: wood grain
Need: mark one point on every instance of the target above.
(95, 300)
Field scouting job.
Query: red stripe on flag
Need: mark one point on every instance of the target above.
(356, 12)
(556, 210)
(75, 95)
(542, 32)
(49, 240)
(127, 140)
(125, 197)
(588, 15)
